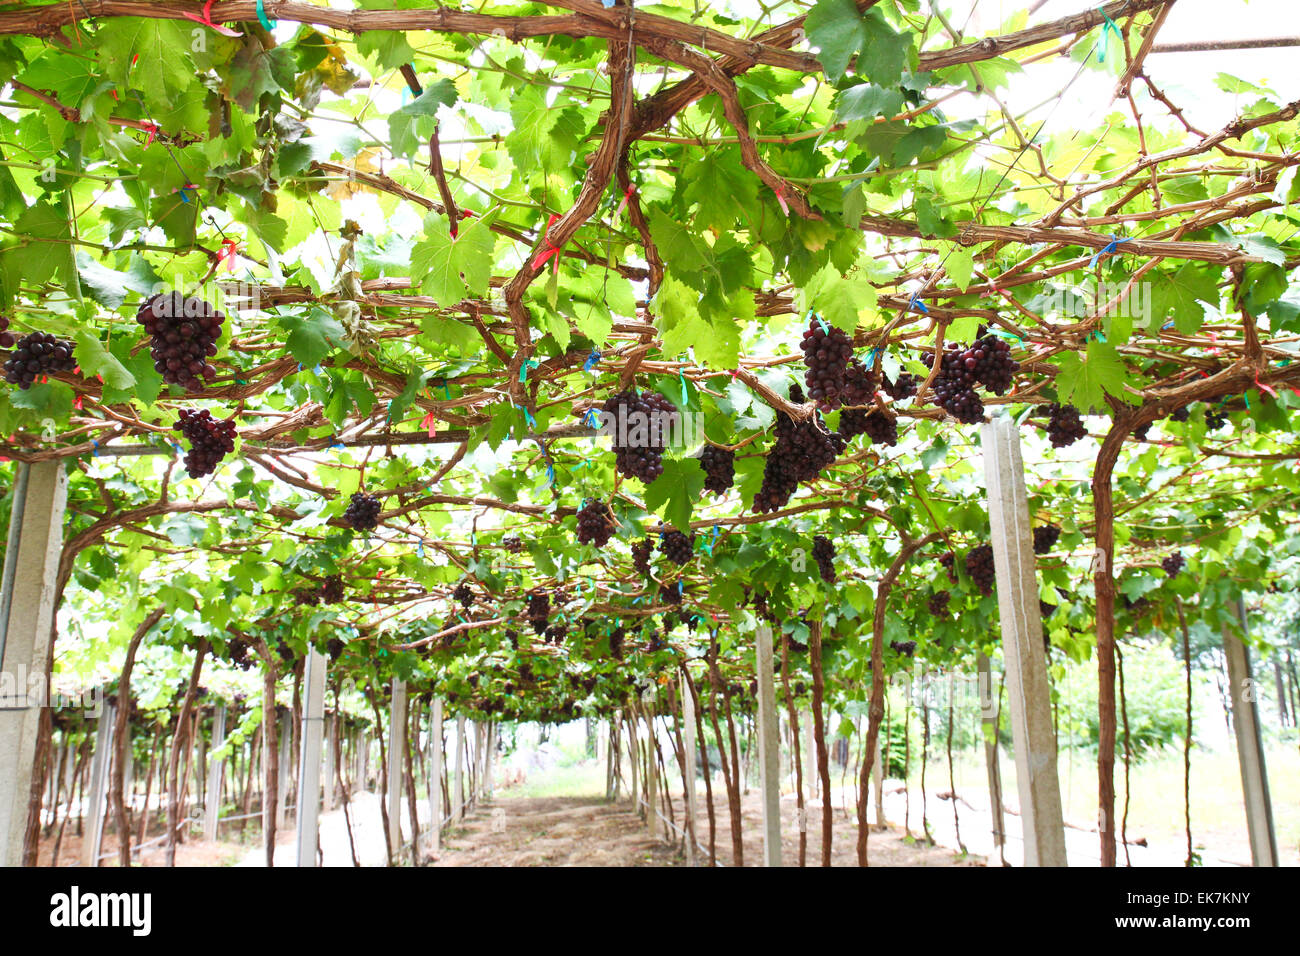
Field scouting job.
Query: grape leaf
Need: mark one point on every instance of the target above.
(1085, 383)
(674, 493)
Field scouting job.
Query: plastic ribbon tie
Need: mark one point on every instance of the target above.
(627, 193)
(708, 545)
(339, 444)
(96, 444)
(1108, 24)
(1107, 250)
(152, 130)
(780, 198)
(550, 475)
(822, 322)
(528, 416)
(679, 587)
(591, 361)
(261, 15)
(430, 423)
(182, 189)
(76, 403)
(916, 303)
(591, 420)
(1246, 396)
(681, 377)
(419, 546)
(1263, 387)
(539, 260)
(206, 20)
(523, 369)
(229, 247)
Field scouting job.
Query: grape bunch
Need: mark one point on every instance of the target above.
(641, 556)
(719, 466)
(979, 565)
(210, 439)
(334, 648)
(859, 385)
(1181, 414)
(183, 333)
(906, 648)
(882, 429)
(1173, 564)
(938, 604)
(539, 609)
(853, 422)
(1214, 420)
(555, 634)
(7, 338)
(826, 353)
(464, 594)
(949, 561)
(641, 423)
(512, 544)
(616, 642)
(676, 547)
(1065, 427)
(595, 523)
(331, 590)
(363, 512)
(905, 386)
(823, 553)
(671, 593)
(237, 653)
(306, 597)
(994, 367)
(802, 449)
(1045, 609)
(37, 354)
(1045, 538)
(954, 387)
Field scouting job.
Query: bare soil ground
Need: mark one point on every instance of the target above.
(588, 831)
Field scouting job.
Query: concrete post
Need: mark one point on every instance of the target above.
(458, 780)
(633, 756)
(688, 785)
(216, 768)
(989, 724)
(435, 776)
(1029, 693)
(282, 788)
(769, 754)
(330, 737)
(1250, 750)
(810, 777)
(26, 622)
(313, 726)
(100, 765)
(396, 736)
(652, 778)
(488, 757)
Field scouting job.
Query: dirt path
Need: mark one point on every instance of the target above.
(588, 831)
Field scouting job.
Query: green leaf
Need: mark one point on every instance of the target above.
(1175, 296)
(867, 101)
(312, 337)
(164, 66)
(838, 299)
(960, 265)
(403, 128)
(674, 493)
(453, 269)
(1085, 383)
(94, 359)
(839, 31)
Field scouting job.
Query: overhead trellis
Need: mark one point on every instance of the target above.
(554, 207)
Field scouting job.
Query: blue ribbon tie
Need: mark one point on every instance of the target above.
(1106, 250)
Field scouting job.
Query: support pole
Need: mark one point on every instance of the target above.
(396, 732)
(435, 777)
(282, 788)
(769, 753)
(989, 725)
(488, 760)
(100, 765)
(313, 725)
(216, 770)
(458, 779)
(1250, 750)
(331, 737)
(1022, 645)
(27, 595)
(652, 778)
(688, 784)
(633, 756)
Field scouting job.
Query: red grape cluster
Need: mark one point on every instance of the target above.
(1173, 564)
(906, 648)
(1045, 609)
(826, 353)
(641, 556)
(949, 561)
(512, 544)
(954, 388)
(464, 594)
(979, 565)
(334, 648)
(994, 367)
(1065, 427)
(616, 642)
(595, 523)
(1045, 538)
(719, 466)
(7, 338)
(37, 354)
(362, 512)
(904, 386)
(237, 653)
(210, 439)
(823, 553)
(306, 597)
(676, 547)
(1214, 420)
(882, 429)
(539, 609)
(802, 449)
(859, 385)
(671, 593)
(938, 604)
(183, 333)
(331, 589)
(639, 431)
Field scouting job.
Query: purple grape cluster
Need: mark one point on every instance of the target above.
(905, 386)
(539, 609)
(859, 385)
(37, 354)
(719, 466)
(802, 449)
(1173, 564)
(949, 561)
(183, 333)
(826, 353)
(331, 589)
(1064, 426)
(1045, 538)
(640, 428)
(595, 523)
(823, 553)
(641, 556)
(362, 512)
(676, 547)
(979, 565)
(210, 439)
(938, 604)
(7, 338)
(464, 594)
